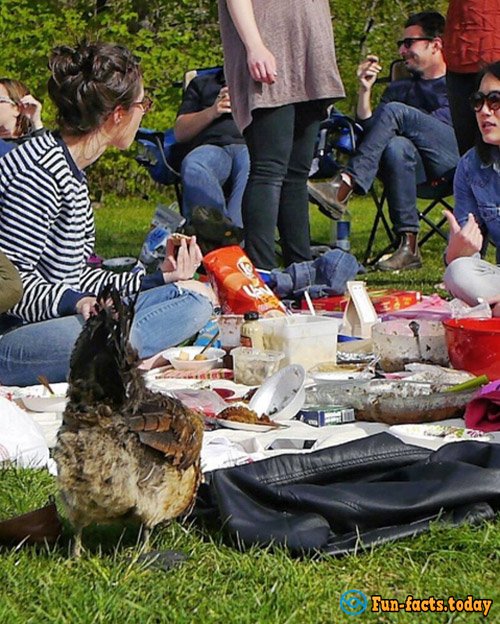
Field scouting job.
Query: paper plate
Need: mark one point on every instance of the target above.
(447, 433)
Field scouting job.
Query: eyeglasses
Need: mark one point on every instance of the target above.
(407, 42)
(6, 100)
(478, 99)
(146, 103)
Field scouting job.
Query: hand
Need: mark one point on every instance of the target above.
(87, 306)
(368, 71)
(495, 305)
(262, 64)
(222, 104)
(32, 108)
(462, 241)
(183, 265)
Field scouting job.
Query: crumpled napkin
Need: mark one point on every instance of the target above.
(483, 411)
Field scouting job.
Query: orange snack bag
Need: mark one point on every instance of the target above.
(238, 285)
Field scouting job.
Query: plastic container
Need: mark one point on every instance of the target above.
(304, 339)
(403, 341)
(252, 366)
(474, 345)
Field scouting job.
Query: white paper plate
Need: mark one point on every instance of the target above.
(447, 433)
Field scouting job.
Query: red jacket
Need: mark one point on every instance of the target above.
(472, 34)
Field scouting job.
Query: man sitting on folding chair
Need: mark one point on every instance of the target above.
(408, 139)
(215, 170)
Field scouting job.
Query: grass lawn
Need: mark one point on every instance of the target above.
(218, 583)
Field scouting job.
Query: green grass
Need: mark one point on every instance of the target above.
(218, 583)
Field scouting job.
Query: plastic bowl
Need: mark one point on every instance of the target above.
(214, 356)
(282, 395)
(474, 345)
(119, 265)
(38, 398)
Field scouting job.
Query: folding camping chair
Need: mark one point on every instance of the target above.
(436, 191)
(159, 152)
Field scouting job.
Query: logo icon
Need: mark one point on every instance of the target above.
(353, 602)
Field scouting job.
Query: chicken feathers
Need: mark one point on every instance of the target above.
(122, 451)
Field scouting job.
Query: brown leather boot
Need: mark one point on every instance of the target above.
(407, 256)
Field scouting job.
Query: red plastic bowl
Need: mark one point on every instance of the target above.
(474, 345)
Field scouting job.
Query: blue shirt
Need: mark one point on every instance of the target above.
(428, 96)
(477, 191)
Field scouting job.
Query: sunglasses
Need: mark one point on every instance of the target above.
(146, 103)
(6, 100)
(407, 42)
(478, 99)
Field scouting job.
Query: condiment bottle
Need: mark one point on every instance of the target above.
(251, 331)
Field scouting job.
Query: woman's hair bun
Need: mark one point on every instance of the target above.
(89, 81)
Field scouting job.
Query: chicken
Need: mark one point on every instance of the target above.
(122, 451)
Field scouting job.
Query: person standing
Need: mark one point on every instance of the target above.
(280, 66)
(471, 41)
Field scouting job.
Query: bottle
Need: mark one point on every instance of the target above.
(251, 332)
(344, 232)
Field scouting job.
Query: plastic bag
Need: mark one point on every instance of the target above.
(239, 287)
(21, 440)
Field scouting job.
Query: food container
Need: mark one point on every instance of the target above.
(474, 345)
(403, 341)
(322, 415)
(252, 366)
(304, 339)
(182, 358)
(392, 402)
(39, 399)
(229, 330)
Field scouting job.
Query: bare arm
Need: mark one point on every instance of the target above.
(260, 60)
(189, 125)
(367, 74)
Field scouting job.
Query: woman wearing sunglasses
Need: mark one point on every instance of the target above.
(476, 217)
(20, 114)
(47, 225)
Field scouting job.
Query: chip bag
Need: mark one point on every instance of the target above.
(238, 285)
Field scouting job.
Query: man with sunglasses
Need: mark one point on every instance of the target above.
(407, 140)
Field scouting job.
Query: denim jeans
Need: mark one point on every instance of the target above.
(164, 317)
(281, 144)
(471, 278)
(406, 147)
(207, 172)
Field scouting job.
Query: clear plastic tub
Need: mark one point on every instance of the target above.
(304, 339)
(252, 366)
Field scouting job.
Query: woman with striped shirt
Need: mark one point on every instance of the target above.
(47, 225)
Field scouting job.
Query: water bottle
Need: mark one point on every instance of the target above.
(344, 232)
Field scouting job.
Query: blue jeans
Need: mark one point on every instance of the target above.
(405, 147)
(281, 144)
(207, 171)
(164, 317)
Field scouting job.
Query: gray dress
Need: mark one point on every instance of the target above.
(299, 34)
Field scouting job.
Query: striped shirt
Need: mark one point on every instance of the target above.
(47, 230)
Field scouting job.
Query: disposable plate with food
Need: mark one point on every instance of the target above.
(448, 433)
